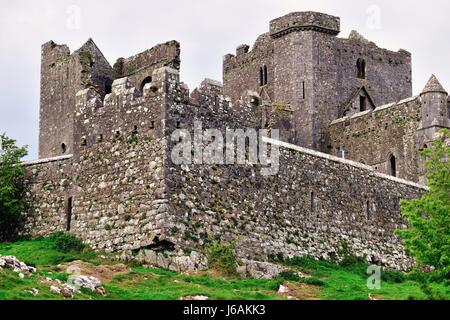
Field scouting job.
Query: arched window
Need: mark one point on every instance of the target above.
(144, 82)
(392, 165)
(266, 78)
(361, 68)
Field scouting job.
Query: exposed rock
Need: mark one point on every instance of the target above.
(173, 261)
(55, 289)
(195, 298)
(283, 289)
(103, 273)
(89, 282)
(12, 263)
(260, 270)
(68, 290)
(33, 291)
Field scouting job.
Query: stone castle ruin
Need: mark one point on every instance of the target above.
(351, 134)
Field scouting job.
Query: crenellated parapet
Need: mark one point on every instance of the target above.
(305, 21)
(125, 111)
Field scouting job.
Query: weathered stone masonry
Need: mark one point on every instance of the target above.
(127, 195)
(115, 185)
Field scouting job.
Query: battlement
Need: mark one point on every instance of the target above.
(301, 21)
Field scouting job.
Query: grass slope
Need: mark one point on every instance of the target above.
(329, 280)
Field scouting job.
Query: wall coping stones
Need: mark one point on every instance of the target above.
(47, 160)
(355, 164)
(378, 109)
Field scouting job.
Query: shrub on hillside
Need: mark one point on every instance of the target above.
(393, 276)
(222, 257)
(66, 242)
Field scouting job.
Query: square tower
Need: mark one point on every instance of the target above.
(302, 66)
(62, 75)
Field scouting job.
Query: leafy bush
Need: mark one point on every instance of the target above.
(313, 282)
(66, 242)
(222, 257)
(290, 276)
(393, 276)
(428, 236)
(12, 189)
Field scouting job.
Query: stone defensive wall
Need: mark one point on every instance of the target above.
(120, 190)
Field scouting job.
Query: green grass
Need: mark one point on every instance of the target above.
(157, 284)
(139, 284)
(43, 252)
(350, 282)
(329, 280)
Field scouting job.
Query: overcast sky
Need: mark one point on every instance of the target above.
(206, 29)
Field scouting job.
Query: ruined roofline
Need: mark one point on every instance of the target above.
(123, 87)
(134, 64)
(377, 109)
(91, 41)
(70, 53)
(355, 164)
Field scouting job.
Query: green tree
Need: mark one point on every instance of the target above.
(428, 236)
(12, 188)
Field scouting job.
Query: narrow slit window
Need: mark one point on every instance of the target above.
(69, 208)
(368, 212)
(303, 90)
(266, 76)
(362, 103)
(361, 69)
(261, 76)
(312, 202)
(393, 166)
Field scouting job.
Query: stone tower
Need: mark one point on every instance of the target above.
(62, 75)
(302, 66)
(434, 115)
(301, 40)
(434, 106)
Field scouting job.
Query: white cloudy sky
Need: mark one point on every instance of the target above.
(207, 29)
